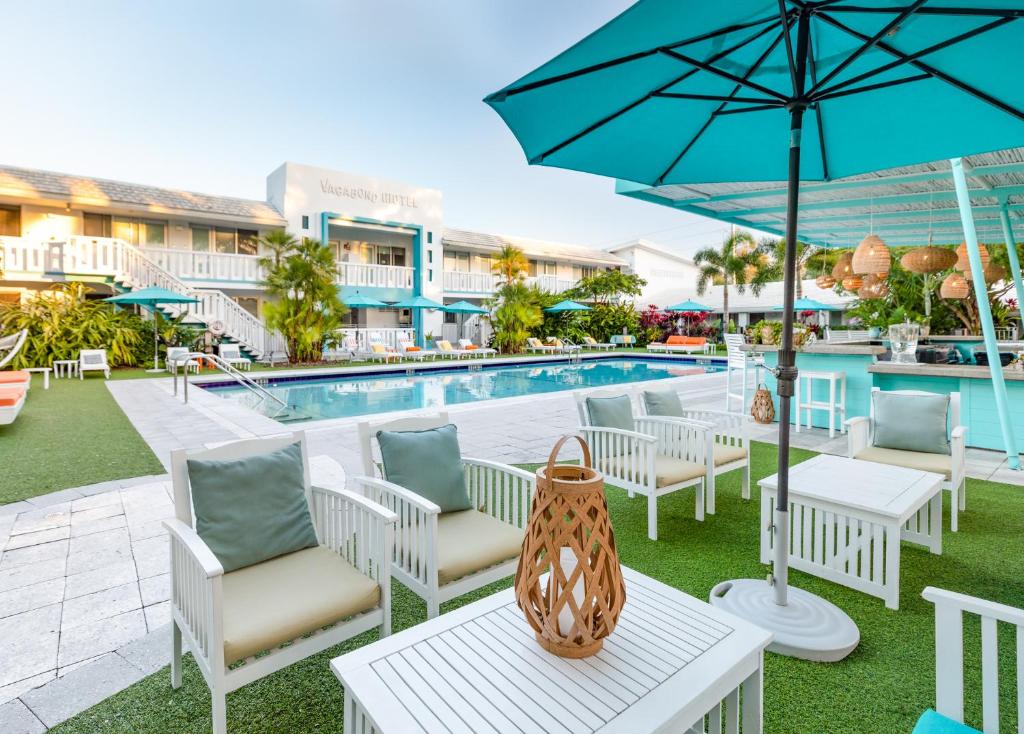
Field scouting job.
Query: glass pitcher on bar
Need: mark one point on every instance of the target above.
(903, 340)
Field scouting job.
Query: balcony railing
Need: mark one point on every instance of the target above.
(375, 276)
(460, 282)
(551, 283)
(207, 265)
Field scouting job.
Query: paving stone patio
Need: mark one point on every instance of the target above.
(84, 607)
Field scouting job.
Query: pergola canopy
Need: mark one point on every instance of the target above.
(900, 204)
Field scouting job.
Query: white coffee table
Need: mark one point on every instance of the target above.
(65, 368)
(847, 519)
(45, 371)
(674, 663)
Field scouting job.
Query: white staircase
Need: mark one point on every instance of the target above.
(128, 267)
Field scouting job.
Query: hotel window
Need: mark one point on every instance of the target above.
(583, 271)
(387, 255)
(247, 242)
(143, 232)
(95, 225)
(200, 239)
(456, 262)
(224, 241)
(10, 221)
(250, 304)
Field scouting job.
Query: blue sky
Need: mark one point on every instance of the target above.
(212, 96)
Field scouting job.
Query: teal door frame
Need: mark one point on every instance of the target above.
(417, 243)
(985, 312)
(1011, 250)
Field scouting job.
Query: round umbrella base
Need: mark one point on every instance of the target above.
(808, 627)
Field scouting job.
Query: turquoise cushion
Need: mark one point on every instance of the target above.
(427, 463)
(252, 509)
(663, 402)
(614, 412)
(911, 422)
(935, 723)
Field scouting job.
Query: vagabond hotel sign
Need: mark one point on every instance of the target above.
(360, 194)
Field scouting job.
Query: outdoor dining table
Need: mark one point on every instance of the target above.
(849, 517)
(673, 663)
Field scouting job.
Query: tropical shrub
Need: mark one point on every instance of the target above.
(517, 315)
(61, 322)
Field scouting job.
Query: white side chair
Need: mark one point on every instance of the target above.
(356, 543)
(658, 457)
(953, 465)
(950, 610)
(232, 354)
(93, 360)
(10, 345)
(835, 406)
(730, 432)
(441, 556)
(176, 360)
(747, 364)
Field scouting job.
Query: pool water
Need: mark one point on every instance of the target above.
(343, 396)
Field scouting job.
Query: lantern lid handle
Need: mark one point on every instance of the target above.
(587, 463)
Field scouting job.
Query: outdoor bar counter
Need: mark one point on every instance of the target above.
(863, 371)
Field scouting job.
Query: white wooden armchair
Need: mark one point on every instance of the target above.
(952, 466)
(441, 556)
(93, 360)
(658, 457)
(293, 605)
(177, 359)
(950, 609)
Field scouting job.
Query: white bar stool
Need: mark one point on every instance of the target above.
(832, 407)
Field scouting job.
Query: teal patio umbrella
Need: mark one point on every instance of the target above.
(689, 306)
(563, 306)
(462, 308)
(417, 302)
(357, 300)
(808, 304)
(152, 298)
(676, 92)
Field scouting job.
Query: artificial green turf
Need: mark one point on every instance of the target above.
(880, 689)
(70, 435)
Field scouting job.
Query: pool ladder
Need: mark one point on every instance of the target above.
(227, 368)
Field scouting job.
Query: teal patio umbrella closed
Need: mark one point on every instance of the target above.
(676, 92)
(152, 298)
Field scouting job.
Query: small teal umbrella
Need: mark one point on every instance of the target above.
(690, 306)
(151, 298)
(464, 307)
(418, 302)
(360, 301)
(808, 304)
(567, 306)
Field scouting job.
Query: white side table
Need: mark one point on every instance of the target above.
(65, 368)
(835, 406)
(45, 372)
(848, 517)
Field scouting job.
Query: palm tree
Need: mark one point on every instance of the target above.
(808, 257)
(511, 265)
(275, 246)
(733, 263)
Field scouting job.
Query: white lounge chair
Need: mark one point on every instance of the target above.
(411, 351)
(434, 557)
(272, 357)
(590, 342)
(93, 360)
(477, 351)
(953, 466)
(445, 349)
(286, 604)
(378, 352)
(680, 344)
(731, 432)
(533, 344)
(176, 360)
(232, 354)
(950, 610)
(10, 345)
(12, 400)
(655, 457)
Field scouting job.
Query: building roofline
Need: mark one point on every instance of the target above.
(654, 247)
(531, 246)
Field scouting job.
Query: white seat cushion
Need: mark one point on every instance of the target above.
(469, 541)
(279, 600)
(668, 470)
(938, 463)
(725, 454)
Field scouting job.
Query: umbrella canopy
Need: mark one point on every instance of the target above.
(150, 297)
(685, 91)
(418, 302)
(808, 304)
(357, 300)
(464, 307)
(567, 306)
(693, 306)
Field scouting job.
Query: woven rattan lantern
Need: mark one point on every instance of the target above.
(853, 282)
(954, 287)
(825, 282)
(874, 287)
(578, 603)
(994, 272)
(929, 259)
(871, 256)
(963, 262)
(843, 267)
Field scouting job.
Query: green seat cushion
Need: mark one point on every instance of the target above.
(614, 412)
(252, 509)
(911, 422)
(663, 403)
(427, 463)
(932, 722)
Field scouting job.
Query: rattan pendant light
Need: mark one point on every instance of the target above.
(874, 287)
(928, 259)
(963, 262)
(825, 281)
(843, 267)
(853, 282)
(954, 287)
(871, 256)
(995, 272)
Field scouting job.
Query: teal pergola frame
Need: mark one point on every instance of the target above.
(841, 221)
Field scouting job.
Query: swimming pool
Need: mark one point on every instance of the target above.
(347, 395)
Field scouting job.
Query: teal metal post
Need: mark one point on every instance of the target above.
(985, 313)
(1011, 251)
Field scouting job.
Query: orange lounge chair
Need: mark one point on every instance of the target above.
(676, 343)
(15, 378)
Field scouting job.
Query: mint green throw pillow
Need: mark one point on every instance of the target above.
(614, 412)
(911, 422)
(663, 403)
(428, 463)
(252, 509)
